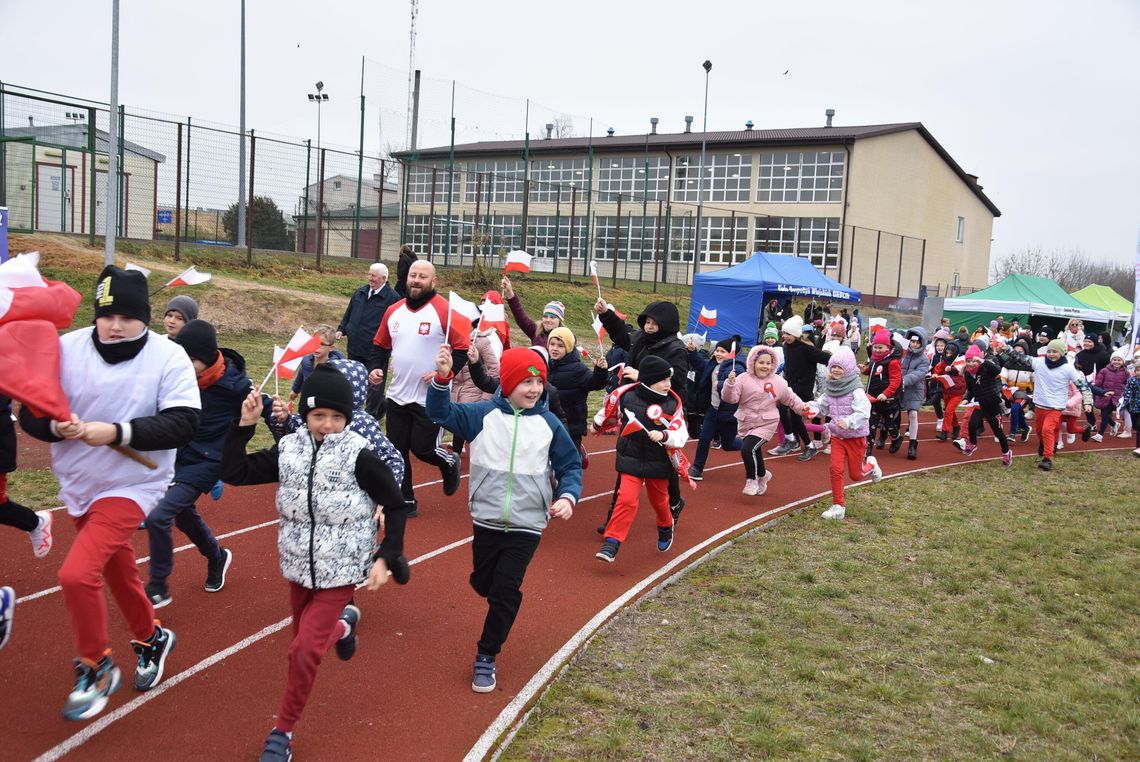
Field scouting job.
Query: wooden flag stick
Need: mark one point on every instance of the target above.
(134, 455)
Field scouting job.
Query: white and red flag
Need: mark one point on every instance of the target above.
(632, 425)
(599, 331)
(707, 317)
(594, 274)
(31, 311)
(518, 261)
(492, 315)
(732, 352)
(303, 343)
(189, 277)
(285, 369)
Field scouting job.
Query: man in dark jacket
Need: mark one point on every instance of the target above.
(223, 384)
(658, 337)
(365, 310)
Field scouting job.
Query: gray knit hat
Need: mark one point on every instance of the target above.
(184, 306)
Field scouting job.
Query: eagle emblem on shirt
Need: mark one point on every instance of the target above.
(425, 329)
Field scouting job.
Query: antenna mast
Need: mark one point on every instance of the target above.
(411, 69)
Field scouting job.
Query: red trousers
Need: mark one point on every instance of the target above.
(852, 451)
(950, 414)
(102, 552)
(628, 498)
(1047, 422)
(316, 628)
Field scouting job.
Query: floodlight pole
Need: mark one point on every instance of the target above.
(241, 140)
(701, 176)
(112, 194)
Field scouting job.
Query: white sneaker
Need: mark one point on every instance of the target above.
(1070, 438)
(1124, 435)
(1115, 429)
(41, 535)
(834, 512)
(1097, 437)
(751, 487)
(938, 424)
(1136, 452)
(876, 472)
(1029, 415)
(1061, 443)
(762, 483)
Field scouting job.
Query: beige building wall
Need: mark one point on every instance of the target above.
(899, 183)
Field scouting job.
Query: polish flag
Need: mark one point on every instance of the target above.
(285, 369)
(594, 272)
(518, 261)
(303, 343)
(138, 268)
(632, 426)
(457, 303)
(492, 315)
(584, 353)
(732, 352)
(189, 277)
(708, 317)
(31, 311)
(598, 329)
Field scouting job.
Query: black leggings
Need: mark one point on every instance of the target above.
(1106, 418)
(885, 416)
(793, 424)
(18, 516)
(753, 457)
(975, 427)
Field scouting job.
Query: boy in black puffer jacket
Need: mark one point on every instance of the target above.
(983, 387)
(650, 419)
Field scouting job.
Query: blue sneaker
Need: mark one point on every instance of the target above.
(7, 609)
(152, 655)
(664, 538)
(217, 490)
(346, 646)
(608, 551)
(93, 687)
(483, 674)
(278, 747)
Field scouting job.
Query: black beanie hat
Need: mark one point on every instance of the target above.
(726, 344)
(200, 341)
(122, 292)
(653, 369)
(326, 387)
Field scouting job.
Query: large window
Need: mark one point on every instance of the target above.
(723, 240)
(627, 176)
(420, 178)
(815, 238)
(416, 231)
(800, 177)
(551, 177)
(728, 177)
(495, 182)
(549, 234)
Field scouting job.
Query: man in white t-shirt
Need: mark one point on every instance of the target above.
(409, 336)
(126, 386)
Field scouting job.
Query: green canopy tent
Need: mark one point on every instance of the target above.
(1037, 302)
(1104, 298)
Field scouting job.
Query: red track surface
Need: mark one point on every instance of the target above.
(406, 695)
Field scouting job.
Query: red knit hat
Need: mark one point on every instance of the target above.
(974, 351)
(517, 364)
(881, 337)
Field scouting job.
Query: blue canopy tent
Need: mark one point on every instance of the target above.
(738, 293)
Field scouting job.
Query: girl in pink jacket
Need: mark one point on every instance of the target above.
(756, 394)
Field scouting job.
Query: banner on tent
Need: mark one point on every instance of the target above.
(818, 293)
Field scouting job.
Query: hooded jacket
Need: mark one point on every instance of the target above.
(200, 461)
(1110, 380)
(706, 369)
(756, 398)
(984, 386)
(915, 367)
(463, 389)
(664, 343)
(513, 454)
(1090, 361)
(800, 360)
(950, 365)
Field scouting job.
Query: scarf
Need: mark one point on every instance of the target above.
(1051, 364)
(119, 351)
(414, 303)
(210, 375)
(838, 388)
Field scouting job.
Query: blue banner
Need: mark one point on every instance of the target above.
(3, 234)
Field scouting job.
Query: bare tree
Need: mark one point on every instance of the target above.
(563, 127)
(1071, 268)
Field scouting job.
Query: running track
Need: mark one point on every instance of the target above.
(406, 694)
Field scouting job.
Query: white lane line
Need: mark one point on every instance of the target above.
(509, 718)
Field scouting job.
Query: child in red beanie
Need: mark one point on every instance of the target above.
(515, 443)
(983, 384)
(884, 381)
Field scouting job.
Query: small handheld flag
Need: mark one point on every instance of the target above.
(594, 273)
(731, 352)
(707, 317)
(518, 261)
(189, 277)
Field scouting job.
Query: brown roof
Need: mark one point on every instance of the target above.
(680, 140)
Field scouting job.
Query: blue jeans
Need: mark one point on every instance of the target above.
(1017, 419)
(715, 424)
(177, 508)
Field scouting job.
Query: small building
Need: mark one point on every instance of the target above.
(47, 181)
(338, 231)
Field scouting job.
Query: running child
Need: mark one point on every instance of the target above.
(757, 395)
(331, 484)
(884, 381)
(719, 422)
(845, 402)
(516, 446)
(915, 367)
(36, 523)
(1110, 381)
(983, 384)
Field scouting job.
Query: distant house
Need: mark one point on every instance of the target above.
(47, 183)
(338, 219)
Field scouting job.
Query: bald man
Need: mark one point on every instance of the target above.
(410, 335)
(361, 319)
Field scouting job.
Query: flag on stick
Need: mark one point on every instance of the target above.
(632, 425)
(731, 352)
(707, 317)
(139, 268)
(594, 273)
(303, 343)
(189, 277)
(493, 316)
(518, 261)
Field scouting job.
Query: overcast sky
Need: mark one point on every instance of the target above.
(1040, 99)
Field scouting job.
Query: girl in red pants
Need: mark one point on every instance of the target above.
(847, 405)
(948, 371)
(331, 483)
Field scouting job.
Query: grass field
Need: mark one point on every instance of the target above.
(970, 613)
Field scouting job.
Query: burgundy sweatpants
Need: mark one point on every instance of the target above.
(102, 552)
(316, 628)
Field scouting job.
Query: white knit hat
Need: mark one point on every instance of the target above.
(793, 326)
